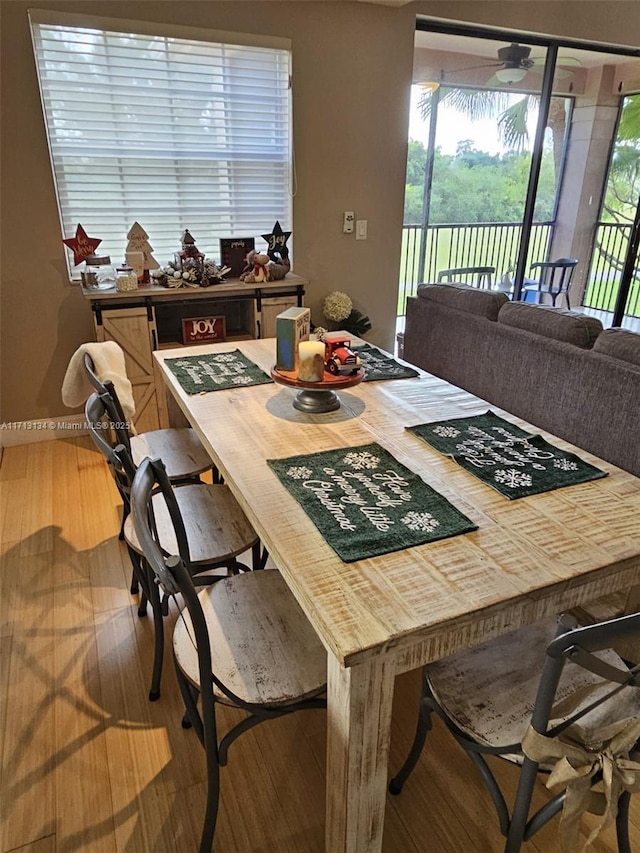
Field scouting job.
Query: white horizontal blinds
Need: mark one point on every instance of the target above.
(171, 132)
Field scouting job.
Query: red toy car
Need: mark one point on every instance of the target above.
(339, 358)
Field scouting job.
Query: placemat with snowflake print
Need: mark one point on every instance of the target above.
(365, 503)
(506, 457)
(379, 366)
(207, 372)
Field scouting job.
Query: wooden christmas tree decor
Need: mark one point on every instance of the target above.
(139, 243)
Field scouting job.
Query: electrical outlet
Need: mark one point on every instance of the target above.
(347, 222)
(361, 229)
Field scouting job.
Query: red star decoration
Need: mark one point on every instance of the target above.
(82, 245)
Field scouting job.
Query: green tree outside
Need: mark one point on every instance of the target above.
(472, 186)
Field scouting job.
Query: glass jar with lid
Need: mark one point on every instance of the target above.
(99, 273)
(126, 278)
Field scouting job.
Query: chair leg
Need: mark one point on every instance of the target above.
(423, 726)
(213, 795)
(136, 586)
(259, 556)
(210, 742)
(521, 806)
(206, 731)
(492, 787)
(125, 513)
(158, 628)
(622, 823)
(190, 703)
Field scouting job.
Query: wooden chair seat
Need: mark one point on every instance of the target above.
(490, 690)
(180, 449)
(217, 528)
(255, 612)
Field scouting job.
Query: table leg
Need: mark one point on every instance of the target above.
(359, 725)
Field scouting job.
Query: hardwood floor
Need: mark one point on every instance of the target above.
(89, 764)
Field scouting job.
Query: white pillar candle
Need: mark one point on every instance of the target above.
(311, 361)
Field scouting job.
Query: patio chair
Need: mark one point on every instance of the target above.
(243, 642)
(555, 279)
(568, 705)
(475, 276)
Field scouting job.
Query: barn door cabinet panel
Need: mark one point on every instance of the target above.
(134, 330)
(152, 318)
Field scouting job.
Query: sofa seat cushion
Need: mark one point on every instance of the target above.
(557, 323)
(484, 303)
(620, 344)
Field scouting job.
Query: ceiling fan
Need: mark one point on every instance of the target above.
(514, 62)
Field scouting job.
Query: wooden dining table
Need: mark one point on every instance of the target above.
(529, 558)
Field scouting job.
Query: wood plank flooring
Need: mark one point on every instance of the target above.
(89, 764)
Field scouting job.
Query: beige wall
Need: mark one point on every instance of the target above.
(352, 66)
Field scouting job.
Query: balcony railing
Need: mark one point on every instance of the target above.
(607, 262)
(488, 244)
(496, 245)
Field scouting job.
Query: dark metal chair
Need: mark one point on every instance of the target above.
(218, 531)
(546, 704)
(186, 458)
(555, 279)
(244, 641)
(475, 276)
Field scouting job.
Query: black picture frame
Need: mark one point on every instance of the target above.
(233, 253)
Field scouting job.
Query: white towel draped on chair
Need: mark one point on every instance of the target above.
(109, 365)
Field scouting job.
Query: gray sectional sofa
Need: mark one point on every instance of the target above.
(556, 369)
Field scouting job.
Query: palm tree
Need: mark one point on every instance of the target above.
(623, 186)
(512, 118)
(622, 195)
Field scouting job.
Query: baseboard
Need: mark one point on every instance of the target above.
(13, 433)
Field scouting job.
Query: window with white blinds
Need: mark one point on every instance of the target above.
(172, 132)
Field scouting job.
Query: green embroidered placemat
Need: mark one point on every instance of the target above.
(206, 372)
(378, 366)
(506, 457)
(365, 503)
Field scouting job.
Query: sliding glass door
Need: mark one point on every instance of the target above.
(615, 244)
(506, 162)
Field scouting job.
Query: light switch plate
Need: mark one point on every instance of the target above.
(347, 222)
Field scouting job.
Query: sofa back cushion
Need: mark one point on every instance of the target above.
(557, 323)
(620, 344)
(484, 303)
